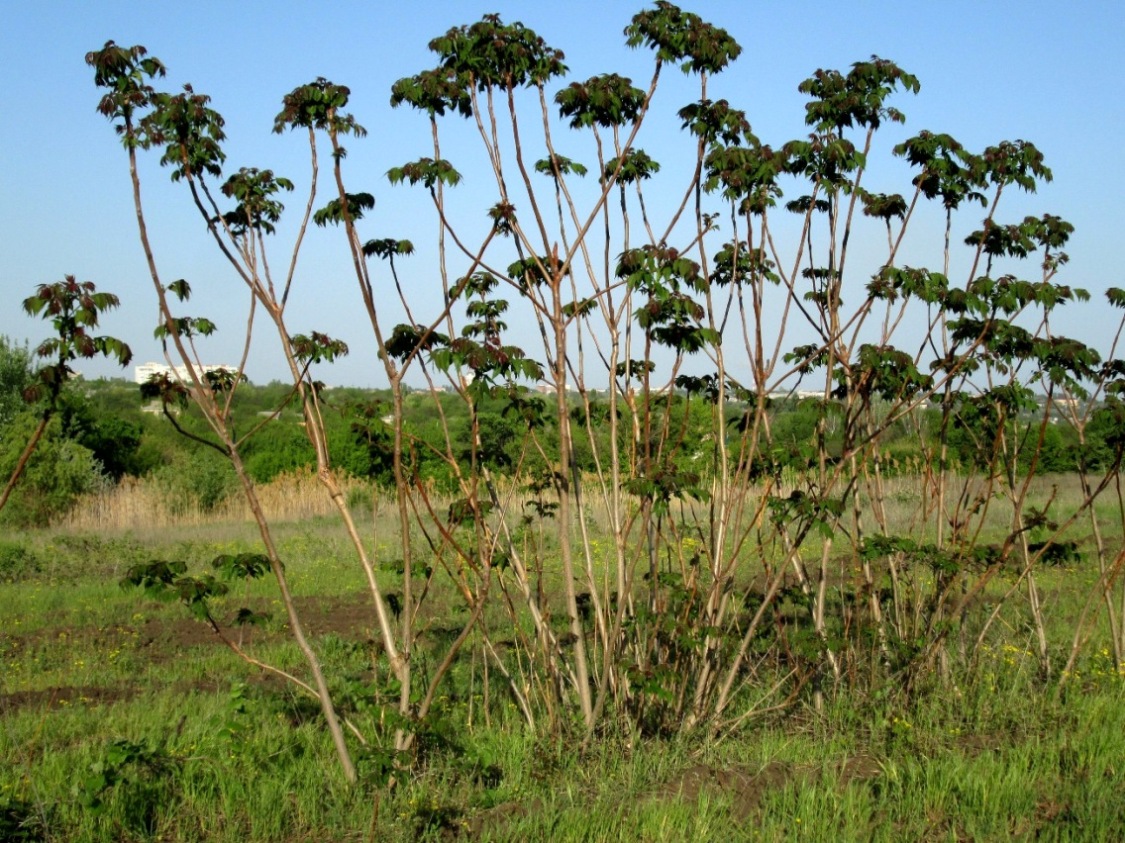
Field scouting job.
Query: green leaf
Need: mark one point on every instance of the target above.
(683, 38)
(607, 100)
(248, 617)
(242, 566)
(425, 171)
(180, 289)
(354, 204)
(317, 106)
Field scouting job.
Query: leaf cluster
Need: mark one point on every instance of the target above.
(682, 38)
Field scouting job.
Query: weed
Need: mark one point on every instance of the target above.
(18, 562)
(21, 822)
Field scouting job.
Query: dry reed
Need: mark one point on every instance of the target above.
(137, 503)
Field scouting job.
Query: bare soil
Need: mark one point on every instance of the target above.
(164, 639)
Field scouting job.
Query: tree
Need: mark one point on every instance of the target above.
(58, 472)
(15, 376)
(73, 308)
(679, 625)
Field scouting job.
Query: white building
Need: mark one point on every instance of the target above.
(142, 373)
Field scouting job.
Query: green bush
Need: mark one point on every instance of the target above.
(58, 473)
(15, 377)
(202, 479)
(18, 562)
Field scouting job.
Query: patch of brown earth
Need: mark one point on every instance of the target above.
(738, 785)
(976, 744)
(61, 697)
(744, 789)
(162, 639)
(860, 768)
(345, 617)
(498, 816)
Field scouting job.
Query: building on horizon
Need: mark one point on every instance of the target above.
(143, 372)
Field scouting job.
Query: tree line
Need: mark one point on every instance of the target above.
(107, 429)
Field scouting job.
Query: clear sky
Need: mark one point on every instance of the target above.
(1046, 72)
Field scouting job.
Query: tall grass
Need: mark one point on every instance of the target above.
(140, 503)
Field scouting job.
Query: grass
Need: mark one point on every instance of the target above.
(122, 719)
(237, 768)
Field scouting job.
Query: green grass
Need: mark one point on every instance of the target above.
(122, 720)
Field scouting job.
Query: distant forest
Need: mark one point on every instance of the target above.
(108, 430)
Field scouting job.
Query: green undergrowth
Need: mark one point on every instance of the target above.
(238, 764)
(123, 718)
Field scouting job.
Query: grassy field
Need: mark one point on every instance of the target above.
(123, 718)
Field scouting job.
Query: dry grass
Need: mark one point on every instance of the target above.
(140, 503)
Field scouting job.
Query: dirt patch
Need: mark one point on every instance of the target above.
(61, 697)
(860, 768)
(498, 816)
(165, 638)
(745, 788)
(740, 786)
(169, 635)
(347, 617)
(978, 744)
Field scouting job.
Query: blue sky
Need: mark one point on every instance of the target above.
(1039, 71)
